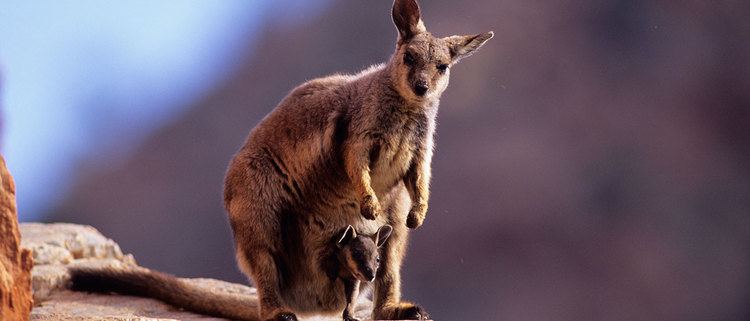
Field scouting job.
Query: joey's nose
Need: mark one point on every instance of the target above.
(369, 273)
(420, 88)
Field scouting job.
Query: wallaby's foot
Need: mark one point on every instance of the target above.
(284, 316)
(414, 312)
(370, 207)
(348, 317)
(416, 216)
(402, 311)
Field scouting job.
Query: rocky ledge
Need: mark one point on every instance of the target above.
(55, 247)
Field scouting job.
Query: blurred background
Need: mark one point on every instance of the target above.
(592, 163)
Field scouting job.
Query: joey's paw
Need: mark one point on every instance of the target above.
(370, 207)
(416, 216)
(402, 311)
(284, 316)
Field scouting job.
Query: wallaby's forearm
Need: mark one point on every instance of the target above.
(357, 162)
(417, 181)
(351, 289)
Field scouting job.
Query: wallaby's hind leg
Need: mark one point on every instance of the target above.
(387, 295)
(255, 255)
(254, 215)
(265, 275)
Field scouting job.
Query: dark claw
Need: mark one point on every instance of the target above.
(285, 317)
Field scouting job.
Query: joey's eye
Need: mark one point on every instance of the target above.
(409, 59)
(442, 67)
(377, 259)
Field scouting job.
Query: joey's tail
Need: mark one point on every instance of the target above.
(164, 287)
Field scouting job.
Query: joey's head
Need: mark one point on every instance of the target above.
(420, 68)
(359, 254)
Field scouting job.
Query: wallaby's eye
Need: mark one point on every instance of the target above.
(442, 68)
(377, 259)
(409, 59)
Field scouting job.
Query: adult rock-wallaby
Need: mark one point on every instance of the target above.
(337, 151)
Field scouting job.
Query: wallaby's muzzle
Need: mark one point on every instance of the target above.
(420, 88)
(369, 274)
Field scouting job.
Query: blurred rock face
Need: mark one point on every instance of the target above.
(592, 160)
(15, 262)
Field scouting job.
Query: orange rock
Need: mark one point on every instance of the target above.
(15, 262)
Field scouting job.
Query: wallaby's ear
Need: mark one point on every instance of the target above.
(382, 235)
(463, 46)
(348, 235)
(407, 19)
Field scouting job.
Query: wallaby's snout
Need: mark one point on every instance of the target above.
(421, 87)
(368, 273)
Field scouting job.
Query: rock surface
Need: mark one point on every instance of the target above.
(15, 262)
(56, 247)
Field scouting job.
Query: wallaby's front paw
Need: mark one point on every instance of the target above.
(402, 311)
(370, 207)
(416, 216)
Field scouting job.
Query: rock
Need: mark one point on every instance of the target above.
(67, 305)
(62, 243)
(15, 262)
(56, 247)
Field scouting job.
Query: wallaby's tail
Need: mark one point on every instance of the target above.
(170, 289)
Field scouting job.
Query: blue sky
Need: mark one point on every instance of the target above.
(78, 76)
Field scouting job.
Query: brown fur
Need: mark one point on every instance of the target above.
(341, 150)
(337, 151)
(164, 287)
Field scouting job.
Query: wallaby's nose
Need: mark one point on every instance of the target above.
(369, 273)
(420, 88)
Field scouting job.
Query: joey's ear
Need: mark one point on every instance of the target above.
(407, 19)
(382, 235)
(463, 46)
(348, 235)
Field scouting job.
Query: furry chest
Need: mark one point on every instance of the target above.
(389, 161)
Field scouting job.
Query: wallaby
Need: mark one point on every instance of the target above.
(337, 151)
(356, 261)
(352, 259)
